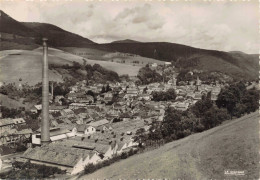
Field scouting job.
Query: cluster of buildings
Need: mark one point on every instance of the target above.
(94, 143)
(13, 131)
(91, 130)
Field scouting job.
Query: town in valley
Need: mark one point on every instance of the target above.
(69, 107)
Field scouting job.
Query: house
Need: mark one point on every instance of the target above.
(58, 99)
(167, 63)
(190, 95)
(83, 117)
(77, 105)
(74, 96)
(99, 123)
(197, 96)
(145, 97)
(85, 129)
(132, 91)
(18, 133)
(182, 106)
(214, 96)
(86, 99)
(36, 108)
(74, 89)
(102, 128)
(125, 116)
(154, 65)
(8, 124)
(67, 113)
(56, 108)
(108, 97)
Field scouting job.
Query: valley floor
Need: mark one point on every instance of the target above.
(232, 146)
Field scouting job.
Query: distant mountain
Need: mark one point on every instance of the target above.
(126, 41)
(30, 34)
(24, 35)
(11, 26)
(237, 65)
(56, 35)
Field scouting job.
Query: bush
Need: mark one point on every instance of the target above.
(124, 155)
(90, 168)
(31, 171)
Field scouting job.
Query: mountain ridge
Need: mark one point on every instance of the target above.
(32, 33)
(126, 41)
(26, 35)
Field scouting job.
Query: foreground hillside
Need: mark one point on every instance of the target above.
(231, 146)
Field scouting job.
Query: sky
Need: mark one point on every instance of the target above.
(224, 25)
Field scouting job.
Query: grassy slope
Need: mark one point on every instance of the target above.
(27, 65)
(5, 45)
(231, 146)
(96, 54)
(211, 63)
(11, 103)
(117, 67)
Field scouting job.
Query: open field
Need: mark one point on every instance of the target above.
(96, 54)
(117, 67)
(27, 65)
(11, 103)
(233, 145)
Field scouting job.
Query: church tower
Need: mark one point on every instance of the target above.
(174, 82)
(198, 83)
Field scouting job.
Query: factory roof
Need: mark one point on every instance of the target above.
(55, 154)
(99, 123)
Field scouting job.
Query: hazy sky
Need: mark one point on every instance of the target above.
(226, 26)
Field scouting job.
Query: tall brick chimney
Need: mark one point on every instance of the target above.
(45, 124)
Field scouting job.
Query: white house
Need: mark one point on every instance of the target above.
(167, 63)
(36, 108)
(85, 129)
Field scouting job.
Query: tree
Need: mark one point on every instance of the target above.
(251, 100)
(145, 90)
(76, 65)
(214, 116)
(164, 96)
(201, 106)
(171, 122)
(230, 96)
(91, 93)
(103, 90)
(147, 76)
(155, 132)
(10, 112)
(108, 88)
(140, 136)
